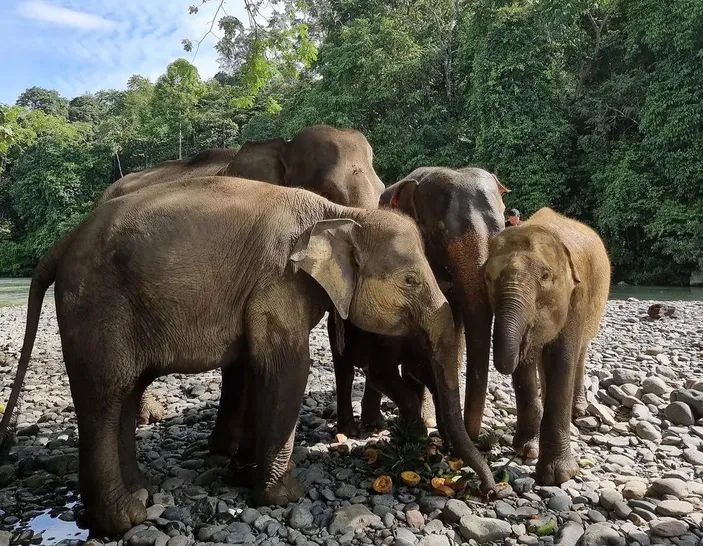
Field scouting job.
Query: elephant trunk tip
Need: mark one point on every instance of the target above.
(507, 365)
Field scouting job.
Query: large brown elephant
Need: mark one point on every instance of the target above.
(188, 277)
(548, 280)
(335, 163)
(458, 212)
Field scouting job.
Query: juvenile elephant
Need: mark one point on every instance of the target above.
(335, 163)
(548, 281)
(458, 212)
(215, 271)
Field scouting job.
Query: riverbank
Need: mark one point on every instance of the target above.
(641, 456)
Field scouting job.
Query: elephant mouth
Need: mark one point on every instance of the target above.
(525, 344)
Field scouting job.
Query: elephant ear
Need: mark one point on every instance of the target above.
(403, 197)
(501, 188)
(570, 257)
(326, 252)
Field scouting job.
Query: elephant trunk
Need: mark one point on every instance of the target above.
(446, 357)
(510, 328)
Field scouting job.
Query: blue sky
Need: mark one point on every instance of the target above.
(79, 46)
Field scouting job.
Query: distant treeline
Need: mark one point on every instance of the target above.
(593, 108)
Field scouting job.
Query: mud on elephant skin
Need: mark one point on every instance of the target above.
(548, 281)
(458, 212)
(143, 302)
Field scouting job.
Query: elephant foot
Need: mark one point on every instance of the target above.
(556, 471)
(242, 475)
(136, 481)
(579, 408)
(287, 490)
(348, 427)
(374, 421)
(116, 517)
(221, 443)
(527, 448)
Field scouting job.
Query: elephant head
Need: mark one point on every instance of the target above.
(334, 163)
(374, 269)
(530, 275)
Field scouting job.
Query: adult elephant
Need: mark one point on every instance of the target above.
(548, 281)
(458, 212)
(225, 271)
(334, 163)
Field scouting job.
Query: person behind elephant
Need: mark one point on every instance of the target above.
(458, 212)
(548, 283)
(513, 218)
(193, 275)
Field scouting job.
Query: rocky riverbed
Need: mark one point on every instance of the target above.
(640, 449)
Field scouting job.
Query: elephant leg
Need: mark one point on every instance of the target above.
(277, 407)
(529, 408)
(343, 360)
(557, 463)
(384, 376)
(230, 420)
(100, 391)
(580, 405)
(371, 415)
(477, 327)
(134, 479)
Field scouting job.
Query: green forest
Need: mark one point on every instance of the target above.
(594, 108)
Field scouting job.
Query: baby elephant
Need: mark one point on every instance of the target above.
(548, 281)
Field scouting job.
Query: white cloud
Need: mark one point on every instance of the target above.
(40, 11)
(145, 35)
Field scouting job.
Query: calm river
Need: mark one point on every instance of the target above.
(14, 292)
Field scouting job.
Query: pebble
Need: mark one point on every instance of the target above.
(679, 414)
(638, 435)
(674, 508)
(602, 534)
(484, 529)
(634, 490)
(668, 527)
(609, 497)
(669, 486)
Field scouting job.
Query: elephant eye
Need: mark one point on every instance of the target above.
(546, 275)
(412, 279)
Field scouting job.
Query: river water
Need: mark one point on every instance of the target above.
(13, 291)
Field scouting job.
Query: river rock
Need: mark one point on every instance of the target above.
(602, 534)
(621, 377)
(668, 527)
(484, 530)
(668, 486)
(355, 515)
(455, 509)
(679, 414)
(609, 497)
(434, 540)
(634, 490)
(693, 399)
(674, 508)
(646, 431)
(693, 456)
(654, 385)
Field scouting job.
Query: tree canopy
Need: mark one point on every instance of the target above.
(594, 108)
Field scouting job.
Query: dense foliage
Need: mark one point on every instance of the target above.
(593, 107)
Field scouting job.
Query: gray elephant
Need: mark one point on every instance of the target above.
(187, 277)
(458, 212)
(548, 281)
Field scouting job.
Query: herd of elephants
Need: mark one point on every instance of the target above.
(229, 258)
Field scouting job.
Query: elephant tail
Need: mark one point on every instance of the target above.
(43, 277)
